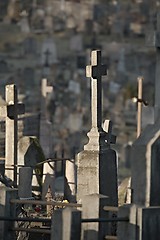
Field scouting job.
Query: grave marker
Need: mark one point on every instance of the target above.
(97, 164)
(11, 112)
(95, 71)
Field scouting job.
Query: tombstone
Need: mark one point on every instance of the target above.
(70, 174)
(141, 223)
(145, 150)
(7, 210)
(66, 224)
(49, 45)
(11, 111)
(48, 180)
(25, 183)
(30, 154)
(92, 207)
(62, 189)
(97, 164)
(145, 167)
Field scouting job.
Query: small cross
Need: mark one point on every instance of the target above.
(95, 71)
(45, 88)
(107, 126)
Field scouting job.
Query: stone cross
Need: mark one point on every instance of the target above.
(153, 39)
(95, 71)
(45, 88)
(107, 126)
(11, 112)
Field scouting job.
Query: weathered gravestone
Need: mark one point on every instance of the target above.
(7, 210)
(71, 177)
(145, 171)
(30, 154)
(48, 180)
(66, 224)
(97, 166)
(145, 151)
(145, 167)
(25, 183)
(10, 111)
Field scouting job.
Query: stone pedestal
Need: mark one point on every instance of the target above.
(7, 210)
(143, 223)
(145, 167)
(25, 182)
(97, 173)
(66, 224)
(93, 207)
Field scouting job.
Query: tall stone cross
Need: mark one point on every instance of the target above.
(10, 112)
(153, 39)
(98, 137)
(95, 71)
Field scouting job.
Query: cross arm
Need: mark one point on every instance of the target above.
(11, 110)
